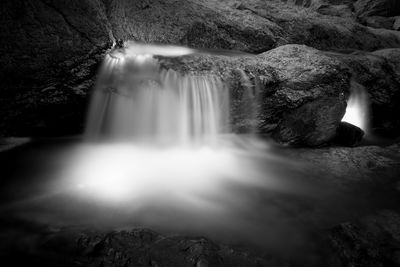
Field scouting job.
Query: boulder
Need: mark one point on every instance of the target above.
(387, 8)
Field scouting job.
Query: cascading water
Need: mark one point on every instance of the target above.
(357, 107)
(158, 156)
(137, 100)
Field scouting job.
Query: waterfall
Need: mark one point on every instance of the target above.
(357, 107)
(137, 100)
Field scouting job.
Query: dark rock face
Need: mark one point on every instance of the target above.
(293, 83)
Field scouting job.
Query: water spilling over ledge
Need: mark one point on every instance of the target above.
(357, 107)
(136, 100)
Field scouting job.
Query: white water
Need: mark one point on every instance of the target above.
(357, 107)
(137, 101)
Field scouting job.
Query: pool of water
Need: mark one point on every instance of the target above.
(242, 190)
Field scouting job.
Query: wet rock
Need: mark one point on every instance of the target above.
(371, 241)
(387, 8)
(348, 134)
(300, 91)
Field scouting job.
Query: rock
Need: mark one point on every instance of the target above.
(396, 24)
(379, 73)
(300, 90)
(198, 24)
(312, 124)
(141, 246)
(370, 168)
(371, 241)
(348, 134)
(386, 8)
(379, 22)
(313, 3)
(335, 10)
(319, 31)
(42, 34)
